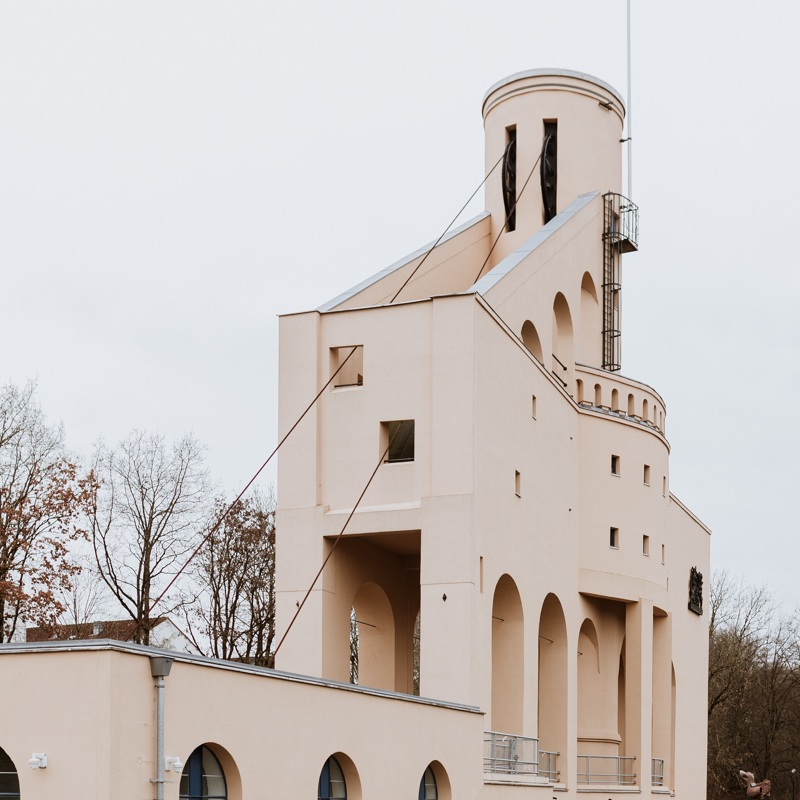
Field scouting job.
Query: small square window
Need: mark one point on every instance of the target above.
(533, 406)
(645, 545)
(646, 474)
(615, 465)
(517, 484)
(349, 361)
(613, 539)
(397, 440)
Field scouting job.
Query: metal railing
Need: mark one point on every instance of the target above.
(509, 754)
(548, 765)
(616, 770)
(658, 772)
(621, 221)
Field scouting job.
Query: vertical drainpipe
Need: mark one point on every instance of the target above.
(159, 669)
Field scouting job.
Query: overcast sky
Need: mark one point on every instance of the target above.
(174, 175)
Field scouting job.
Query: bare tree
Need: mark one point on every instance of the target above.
(41, 498)
(84, 601)
(233, 614)
(754, 688)
(147, 516)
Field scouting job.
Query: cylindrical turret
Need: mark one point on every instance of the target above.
(574, 121)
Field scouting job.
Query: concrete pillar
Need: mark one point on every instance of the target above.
(639, 688)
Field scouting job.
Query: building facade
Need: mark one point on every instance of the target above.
(490, 499)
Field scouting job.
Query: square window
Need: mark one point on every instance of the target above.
(615, 465)
(613, 539)
(350, 363)
(647, 474)
(517, 484)
(645, 545)
(397, 440)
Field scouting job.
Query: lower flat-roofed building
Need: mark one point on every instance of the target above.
(490, 497)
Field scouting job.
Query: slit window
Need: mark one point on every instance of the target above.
(517, 484)
(646, 474)
(533, 406)
(645, 545)
(510, 178)
(548, 170)
(613, 538)
(615, 465)
(663, 554)
(398, 437)
(349, 361)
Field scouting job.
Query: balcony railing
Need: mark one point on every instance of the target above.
(508, 754)
(613, 770)
(658, 772)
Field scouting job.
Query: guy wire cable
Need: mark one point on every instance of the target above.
(436, 243)
(335, 542)
(511, 211)
(228, 508)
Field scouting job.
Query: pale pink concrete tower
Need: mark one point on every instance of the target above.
(518, 549)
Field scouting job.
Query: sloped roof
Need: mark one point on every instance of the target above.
(121, 630)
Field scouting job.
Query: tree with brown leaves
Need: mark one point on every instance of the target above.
(233, 614)
(42, 496)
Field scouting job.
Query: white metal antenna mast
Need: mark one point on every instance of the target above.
(629, 118)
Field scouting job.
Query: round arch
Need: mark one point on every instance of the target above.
(9, 779)
(375, 643)
(591, 326)
(553, 660)
(530, 338)
(210, 773)
(508, 657)
(339, 779)
(563, 331)
(435, 783)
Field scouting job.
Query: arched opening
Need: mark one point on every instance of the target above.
(332, 784)
(579, 387)
(598, 395)
(530, 338)
(373, 622)
(589, 683)
(507, 657)
(645, 411)
(553, 678)
(631, 406)
(203, 777)
(597, 724)
(338, 779)
(435, 783)
(615, 400)
(562, 338)
(9, 780)
(591, 345)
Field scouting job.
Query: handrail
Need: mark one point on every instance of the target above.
(613, 773)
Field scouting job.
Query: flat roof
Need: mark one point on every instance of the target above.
(99, 645)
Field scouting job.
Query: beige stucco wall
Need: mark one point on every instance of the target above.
(95, 718)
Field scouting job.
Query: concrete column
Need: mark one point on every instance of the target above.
(662, 693)
(639, 688)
